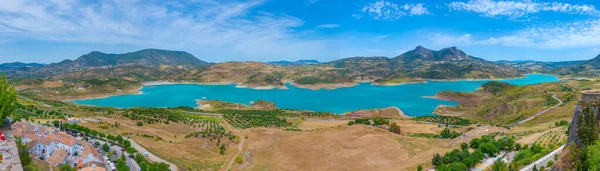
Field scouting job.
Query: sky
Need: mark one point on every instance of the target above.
(271, 30)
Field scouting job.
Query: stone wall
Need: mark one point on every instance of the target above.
(588, 98)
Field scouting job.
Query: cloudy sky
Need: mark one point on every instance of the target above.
(266, 30)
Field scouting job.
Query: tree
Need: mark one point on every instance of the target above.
(587, 130)
(23, 152)
(474, 143)
(437, 159)
(499, 166)
(445, 133)
(8, 99)
(419, 168)
(593, 156)
(464, 146)
(458, 166)
(222, 149)
(156, 166)
(239, 159)
(105, 147)
(394, 128)
(535, 168)
(66, 167)
(121, 165)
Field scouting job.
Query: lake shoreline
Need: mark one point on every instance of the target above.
(350, 100)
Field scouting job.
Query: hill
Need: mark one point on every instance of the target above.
(539, 66)
(153, 64)
(503, 103)
(294, 63)
(423, 54)
(16, 69)
(589, 68)
(146, 57)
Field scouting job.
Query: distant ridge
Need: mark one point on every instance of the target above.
(18, 68)
(146, 57)
(291, 63)
(20, 65)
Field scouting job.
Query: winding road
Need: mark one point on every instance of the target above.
(151, 156)
(544, 160)
(560, 102)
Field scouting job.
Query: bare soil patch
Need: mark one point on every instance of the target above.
(357, 147)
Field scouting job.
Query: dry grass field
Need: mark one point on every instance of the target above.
(187, 154)
(357, 147)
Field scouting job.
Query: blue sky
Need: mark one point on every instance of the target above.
(268, 30)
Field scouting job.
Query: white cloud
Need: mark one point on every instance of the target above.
(381, 37)
(516, 9)
(386, 10)
(582, 34)
(220, 29)
(328, 26)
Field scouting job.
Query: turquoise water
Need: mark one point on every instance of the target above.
(408, 97)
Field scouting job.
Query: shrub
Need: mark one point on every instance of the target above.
(395, 128)
(239, 159)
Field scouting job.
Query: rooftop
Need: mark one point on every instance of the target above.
(57, 157)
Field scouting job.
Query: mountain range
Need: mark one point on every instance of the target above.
(294, 63)
(415, 65)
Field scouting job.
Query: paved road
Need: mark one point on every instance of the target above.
(133, 166)
(487, 162)
(538, 114)
(544, 160)
(151, 156)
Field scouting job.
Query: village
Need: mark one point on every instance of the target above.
(65, 147)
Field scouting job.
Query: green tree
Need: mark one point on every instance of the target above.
(105, 147)
(222, 149)
(499, 166)
(458, 166)
(445, 133)
(23, 152)
(593, 156)
(535, 168)
(475, 142)
(419, 168)
(8, 99)
(66, 167)
(121, 165)
(156, 166)
(464, 146)
(437, 160)
(587, 130)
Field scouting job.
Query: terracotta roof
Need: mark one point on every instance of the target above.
(57, 157)
(21, 125)
(45, 141)
(88, 149)
(93, 168)
(32, 143)
(65, 138)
